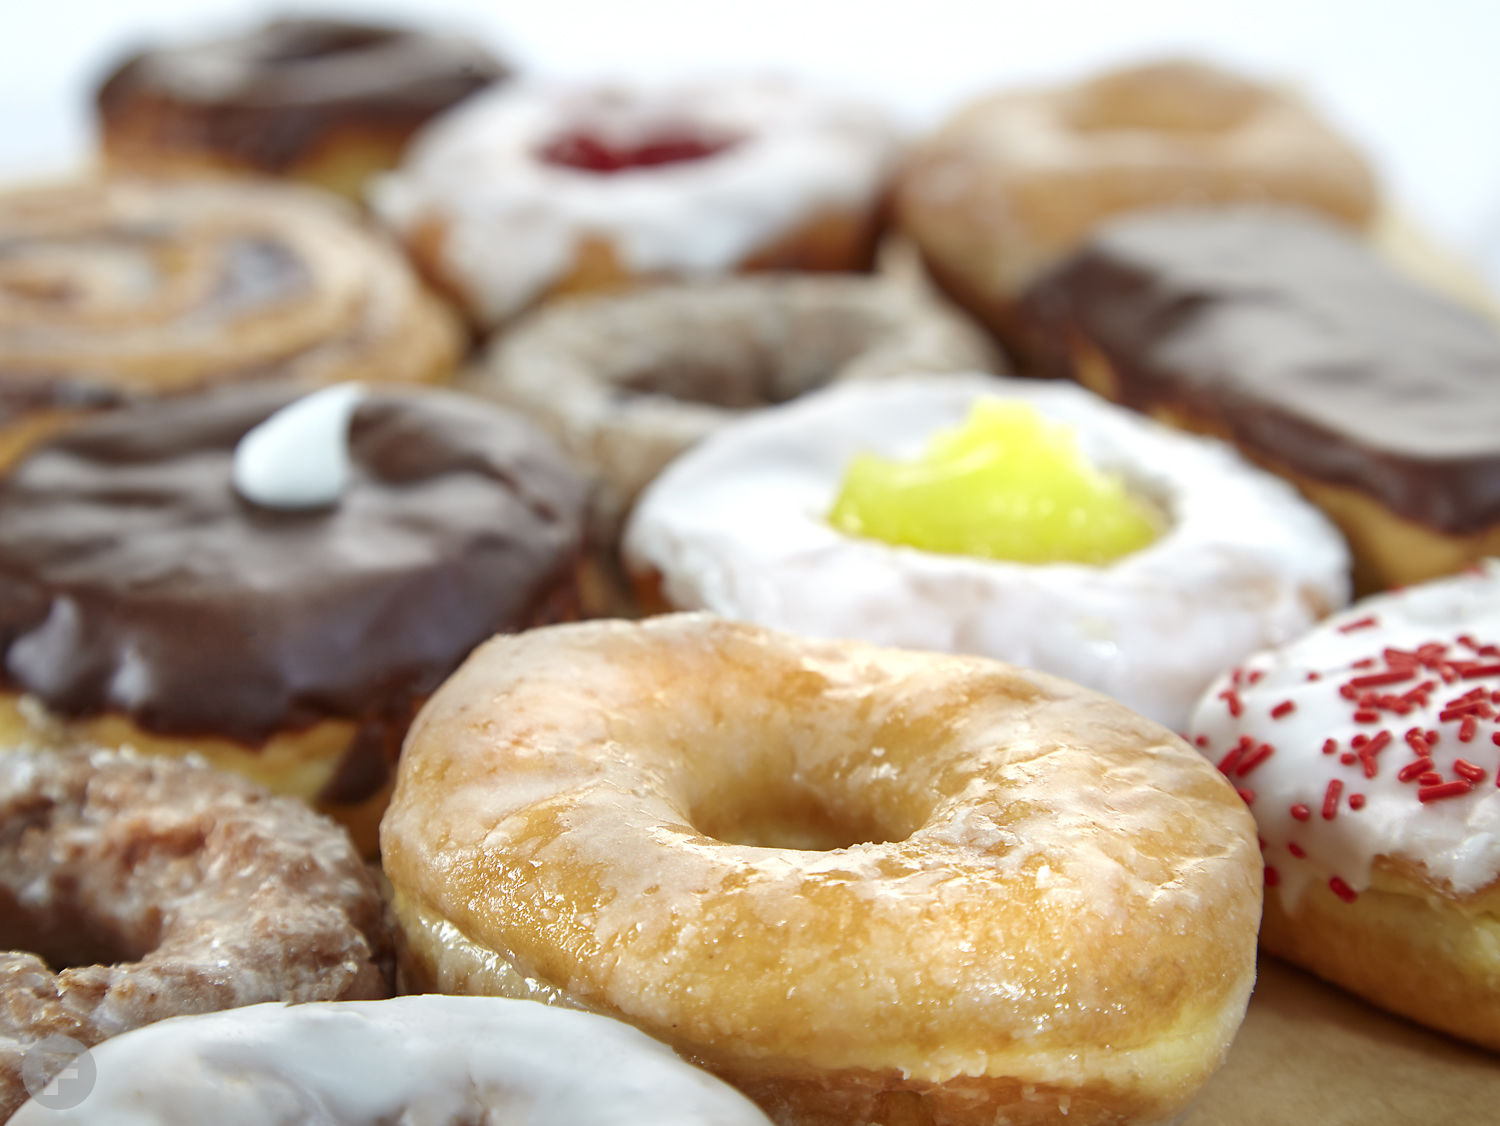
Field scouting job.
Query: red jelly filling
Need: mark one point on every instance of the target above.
(589, 152)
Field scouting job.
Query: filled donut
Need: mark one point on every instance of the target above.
(135, 889)
(327, 102)
(863, 885)
(1368, 753)
(1010, 518)
(532, 190)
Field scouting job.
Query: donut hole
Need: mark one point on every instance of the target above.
(794, 816)
(69, 933)
(1186, 100)
(592, 150)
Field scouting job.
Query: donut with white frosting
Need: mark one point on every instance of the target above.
(739, 526)
(429, 1059)
(533, 190)
(1369, 751)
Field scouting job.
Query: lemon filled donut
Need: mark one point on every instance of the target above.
(275, 583)
(535, 190)
(863, 885)
(425, 1059)
(1367, 750)
(134, 889)
(1017, 519)
(327, 102)
(127, 289)
(626, 382)
(1016, 180)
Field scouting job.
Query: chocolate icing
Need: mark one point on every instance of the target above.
(273, 95)
(134, 580)
(1297, 342)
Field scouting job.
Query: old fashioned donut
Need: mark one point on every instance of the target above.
(740, 526)
(191, 891)
(533, 190)
(409, 1059)
(324, 101)
(1367, 750)
(124, 289)
(627, 382)
(161, 589)
(863, 885)
(1016, 180)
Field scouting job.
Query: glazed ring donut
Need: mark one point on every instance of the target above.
(626, 383)
(190, 889)
(1015, 181)
(322, 101)
(410, 1059)
(863, 885)
(531, 191)
(1367, 750)
(739, 526)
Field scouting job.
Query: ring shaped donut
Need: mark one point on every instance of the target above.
(857, 883)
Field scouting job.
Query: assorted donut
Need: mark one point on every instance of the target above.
(977, 731)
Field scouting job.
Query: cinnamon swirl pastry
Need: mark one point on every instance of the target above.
(126, 289)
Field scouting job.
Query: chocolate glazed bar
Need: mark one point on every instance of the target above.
(1272, 329)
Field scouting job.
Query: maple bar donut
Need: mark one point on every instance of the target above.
(1232, 560)
(1367, 750)
(127, 289)
(627, 382)
(1373, 394)
(861, 884)
(231, 575)
(135, 889)
(531, 190)
(326, 102)
(427, 1059)
(1017, 180)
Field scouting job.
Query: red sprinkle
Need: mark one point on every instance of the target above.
(1331, 799)
(1348, 758)
(1232, 698)
(1471, 669)
(1380, 679)
(1201, 742)
(1469, 771)
(1246, 796)
(1359, 623)
(1366, 715)
(1273, 877)
(1431, 778)
(1468, 729)
(1313, 674)
(1414, 770)
(1295, 849)
(1251, 761)
(1343, 890)
(1379, 743)
(1356, 801)
(1453, 789)
(1332, 745)
(1285, 708)
(1232, 756)
(1301, 812)
(1418, 743)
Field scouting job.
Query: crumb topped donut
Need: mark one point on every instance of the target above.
(863, 885)
(532, 190)
(324, 101)
(425, 1059)
(156, 591)
(741, 526)
(191, 889)
(1367, 751)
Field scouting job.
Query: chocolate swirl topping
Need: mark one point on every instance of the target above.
(1297, 342)
(134, 580)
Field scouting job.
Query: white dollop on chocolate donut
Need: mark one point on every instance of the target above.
(739, 526)
(299, 457)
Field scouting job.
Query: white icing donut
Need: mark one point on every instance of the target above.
(513, 221)
(1349, 713)
(738, 526)
(423, 1061)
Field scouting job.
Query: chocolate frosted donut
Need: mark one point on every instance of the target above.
(324, 101)
(190, 890)
(144, 601)
(1380, 399)
(126, 289)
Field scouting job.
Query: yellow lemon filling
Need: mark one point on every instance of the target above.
(1006, 484)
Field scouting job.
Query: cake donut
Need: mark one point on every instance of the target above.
(1368, 753)
(171, 579)
(123, 289)
(409, 1059)
(1374, 395)
(861, 884)
(627, 382)
(1016, 180)
(535, 190)
(326, 102)
(740, 526)
(189, 890)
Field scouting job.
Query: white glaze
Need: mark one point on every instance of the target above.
(738, 526)
(298, 458)
(419, 1061)
(1457, 840)
(514, 222)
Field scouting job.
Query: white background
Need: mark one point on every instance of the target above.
(1418, 84)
